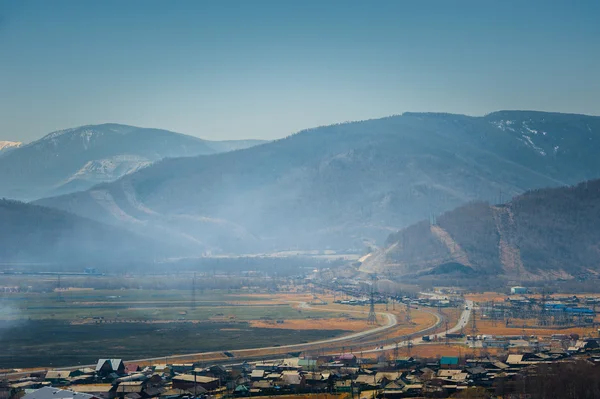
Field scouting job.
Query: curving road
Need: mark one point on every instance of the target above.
(392, 321)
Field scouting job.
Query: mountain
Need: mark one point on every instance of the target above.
(347, 185)
(6, 146)
(544, 234)
(76, 159)
(32, 233)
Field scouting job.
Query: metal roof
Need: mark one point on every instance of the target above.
(55, 393)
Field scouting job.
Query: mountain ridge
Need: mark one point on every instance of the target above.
(544, 234)
(75, 159)
(348, 185)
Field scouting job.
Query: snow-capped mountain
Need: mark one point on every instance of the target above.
(75, 159)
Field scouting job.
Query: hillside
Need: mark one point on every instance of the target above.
(346, 185)
(76, 159)
(6, 146)
(30, 233)
(543, 234)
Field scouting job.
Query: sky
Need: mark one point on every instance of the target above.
(266, 69)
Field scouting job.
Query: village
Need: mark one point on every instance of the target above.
(347, 374)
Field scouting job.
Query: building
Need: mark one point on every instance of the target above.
(109, 366)
(518, 290)
(55, 393)
(188, 382)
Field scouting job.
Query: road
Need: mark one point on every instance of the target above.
(462, 323)
(392, 321)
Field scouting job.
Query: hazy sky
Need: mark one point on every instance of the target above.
(265, 69)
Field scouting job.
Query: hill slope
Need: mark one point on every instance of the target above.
(30, 233)
(543, 234)
(76, 159)
(6, 146)
(338, 186)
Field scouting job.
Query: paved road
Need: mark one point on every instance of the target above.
(418, 340)
(392, 321)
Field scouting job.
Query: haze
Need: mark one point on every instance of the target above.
(234, 69)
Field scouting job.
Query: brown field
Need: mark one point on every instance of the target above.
(314, 324)
(486, 297)
(486, 327)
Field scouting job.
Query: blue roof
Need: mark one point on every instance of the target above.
(449, 360)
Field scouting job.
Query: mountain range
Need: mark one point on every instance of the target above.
(344, 186)
(77, 159)
(546, 234)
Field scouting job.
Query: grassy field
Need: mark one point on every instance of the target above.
(54, 343)
(82, 325)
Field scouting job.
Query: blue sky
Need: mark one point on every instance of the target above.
(265, 69)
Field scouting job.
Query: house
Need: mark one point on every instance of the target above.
(105, 367)
(307, 364)
(55, 393)
(131, 368)
(343, 386)
(366, 381)
(189, 382)
(241, 390)
(57, 376)
(383, 378)
(316, 381)
(129, 387)
(100, 391)
(405, 362)
(175, 393)
(518, 290)
(448, 361)
(347, 359)
(292, 381)
(257, 375)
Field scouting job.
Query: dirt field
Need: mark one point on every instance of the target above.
(486, 297)
(314, 324)
(486, 327)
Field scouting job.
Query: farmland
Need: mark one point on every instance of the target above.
(70, 326)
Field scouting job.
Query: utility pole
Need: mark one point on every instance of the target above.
(59, 295)
(474, 322)
(446, 335)
(193, 304)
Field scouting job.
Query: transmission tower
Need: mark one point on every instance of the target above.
(193, 303)
(446, 335)
(396, 351)
(372, 319)
(59, 295)
(493, 314)
(408, 319)
(474, 322)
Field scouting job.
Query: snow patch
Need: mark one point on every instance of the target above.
(527, 140)
(504, 125)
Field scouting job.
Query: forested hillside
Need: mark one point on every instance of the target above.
(349, 185)
(542, 234)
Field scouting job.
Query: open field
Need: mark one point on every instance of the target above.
(486, 327)
(79, 326)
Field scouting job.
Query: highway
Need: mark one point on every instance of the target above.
(239, 354)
